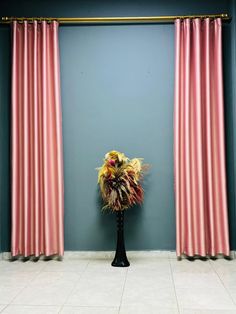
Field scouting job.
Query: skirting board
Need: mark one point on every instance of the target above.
(70, 255)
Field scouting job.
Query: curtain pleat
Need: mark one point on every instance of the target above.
(37, 163)
(199, 148)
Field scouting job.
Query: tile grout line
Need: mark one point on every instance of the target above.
(17, 294)
(171, 270)
(86, 306)
(27, 285)
(226, 289)
(28, 305)
(81, 274)
(118, 309)
(10, 303)
(5, 306)
(126, 273)
(58, 305)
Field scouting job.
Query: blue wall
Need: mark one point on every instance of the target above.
(5, 66)
(117, 93)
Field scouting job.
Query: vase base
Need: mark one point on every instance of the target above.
(117, 263)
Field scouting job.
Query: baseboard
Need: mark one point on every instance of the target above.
(110, 254)
(70, 255)
(233, 254)
(103, 254)
(5, 256)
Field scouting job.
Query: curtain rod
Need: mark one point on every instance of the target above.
(115, 20)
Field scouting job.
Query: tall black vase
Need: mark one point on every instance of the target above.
(120, 259)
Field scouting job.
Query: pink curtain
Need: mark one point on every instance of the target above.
(199, 148)
(37, 166)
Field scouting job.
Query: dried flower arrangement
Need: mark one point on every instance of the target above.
(119, 180)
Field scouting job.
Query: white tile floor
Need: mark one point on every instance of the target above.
(151, 285)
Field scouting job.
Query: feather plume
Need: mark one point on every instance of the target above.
(119, 179)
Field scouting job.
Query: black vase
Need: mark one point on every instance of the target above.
(120, 259)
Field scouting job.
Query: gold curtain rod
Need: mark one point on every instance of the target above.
(114, 20)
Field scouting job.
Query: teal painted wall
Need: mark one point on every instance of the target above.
(117, 93)
(5, 64)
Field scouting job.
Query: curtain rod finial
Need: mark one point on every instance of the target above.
(224, 15)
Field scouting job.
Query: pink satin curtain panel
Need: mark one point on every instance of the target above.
(199, 148)
(37, 165)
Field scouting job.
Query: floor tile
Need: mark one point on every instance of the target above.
(98, 289)
(9, 292)
(54, 294)
(222, 266)
(55, 278)
(196, 266)
(28, 266)
(163, 298)
(189, 311)
(149, 288)
(66, 265)
(229, 279)
(23, 309)
(199, 298)
(104, 265)
(232, 293)
(2, 306)
(147, 277)
(153, 264)
(197, 280)
(21, 278)
(91, 285)
(145, 309)
(89, 310)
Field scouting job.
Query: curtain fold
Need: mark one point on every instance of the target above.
(37, 165)
(199, 148)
